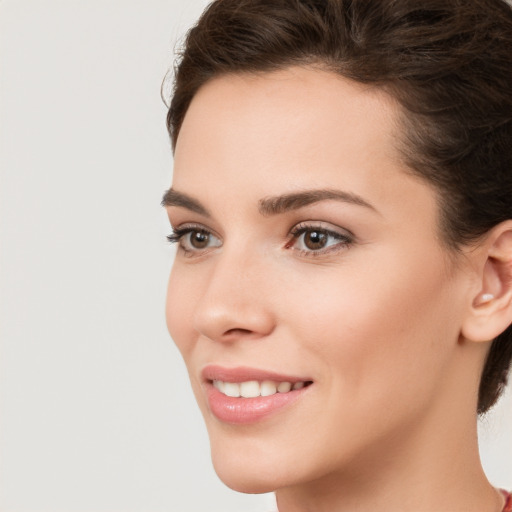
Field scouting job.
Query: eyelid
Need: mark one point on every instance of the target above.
(193, 226)
(323, 226)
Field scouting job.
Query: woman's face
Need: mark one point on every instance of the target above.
(307, 255)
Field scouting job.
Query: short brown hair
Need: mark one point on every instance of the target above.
(447, 62)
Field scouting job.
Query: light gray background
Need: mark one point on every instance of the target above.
(96, 413)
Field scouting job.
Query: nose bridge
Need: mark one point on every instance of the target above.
(234, 298)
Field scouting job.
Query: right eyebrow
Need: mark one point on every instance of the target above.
(174, 198)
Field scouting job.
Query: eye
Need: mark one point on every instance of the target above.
(194, 239)
(316, 239)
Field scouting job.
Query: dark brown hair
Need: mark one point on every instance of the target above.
(447, 62)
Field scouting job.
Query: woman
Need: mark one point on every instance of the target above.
(342, 203)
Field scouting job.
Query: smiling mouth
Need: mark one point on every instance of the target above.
(244, 395)
(254, 388)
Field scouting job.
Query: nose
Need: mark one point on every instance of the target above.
(236, 302)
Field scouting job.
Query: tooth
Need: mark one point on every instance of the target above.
(218, 384)
(298, 385)
(231, 389)
(250, 389)
(268, 388)
(284, 387)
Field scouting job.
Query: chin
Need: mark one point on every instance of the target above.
(246, 482)
(248, 468)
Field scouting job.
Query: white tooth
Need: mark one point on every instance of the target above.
(231, 389)
(284, 387)
(268, 388)
(218, 384)
(250, 389)
(298, 385)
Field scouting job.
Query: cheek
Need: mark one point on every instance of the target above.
(382, 332)
(182, 296)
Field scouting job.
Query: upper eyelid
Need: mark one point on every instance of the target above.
(194, 226)
(324, 226)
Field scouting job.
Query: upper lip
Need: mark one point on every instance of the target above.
(245, 373)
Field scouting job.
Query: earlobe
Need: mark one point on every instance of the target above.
(491, 309)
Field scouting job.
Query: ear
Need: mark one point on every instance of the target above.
(490, 312)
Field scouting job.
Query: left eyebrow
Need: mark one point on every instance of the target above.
(175, 198)
(276, 205)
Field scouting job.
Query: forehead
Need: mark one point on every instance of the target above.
(257, 135)
(286, 117)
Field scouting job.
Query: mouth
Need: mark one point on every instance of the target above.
(241, 396)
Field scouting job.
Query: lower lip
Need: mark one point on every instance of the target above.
(243, 411)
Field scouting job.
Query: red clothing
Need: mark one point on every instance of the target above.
(508, 501)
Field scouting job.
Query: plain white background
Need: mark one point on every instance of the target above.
(96, 411)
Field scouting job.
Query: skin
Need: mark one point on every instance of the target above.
(381, 324)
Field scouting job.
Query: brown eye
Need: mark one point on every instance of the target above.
(315, 239)
(194, 240)
(199, 239)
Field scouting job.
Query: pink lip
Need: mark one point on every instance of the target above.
(244, 374)
(243, 411)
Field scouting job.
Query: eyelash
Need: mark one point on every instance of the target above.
(344, 240)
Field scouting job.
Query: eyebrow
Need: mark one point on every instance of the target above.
(175, 198)
(273, 205)
(295, 200)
